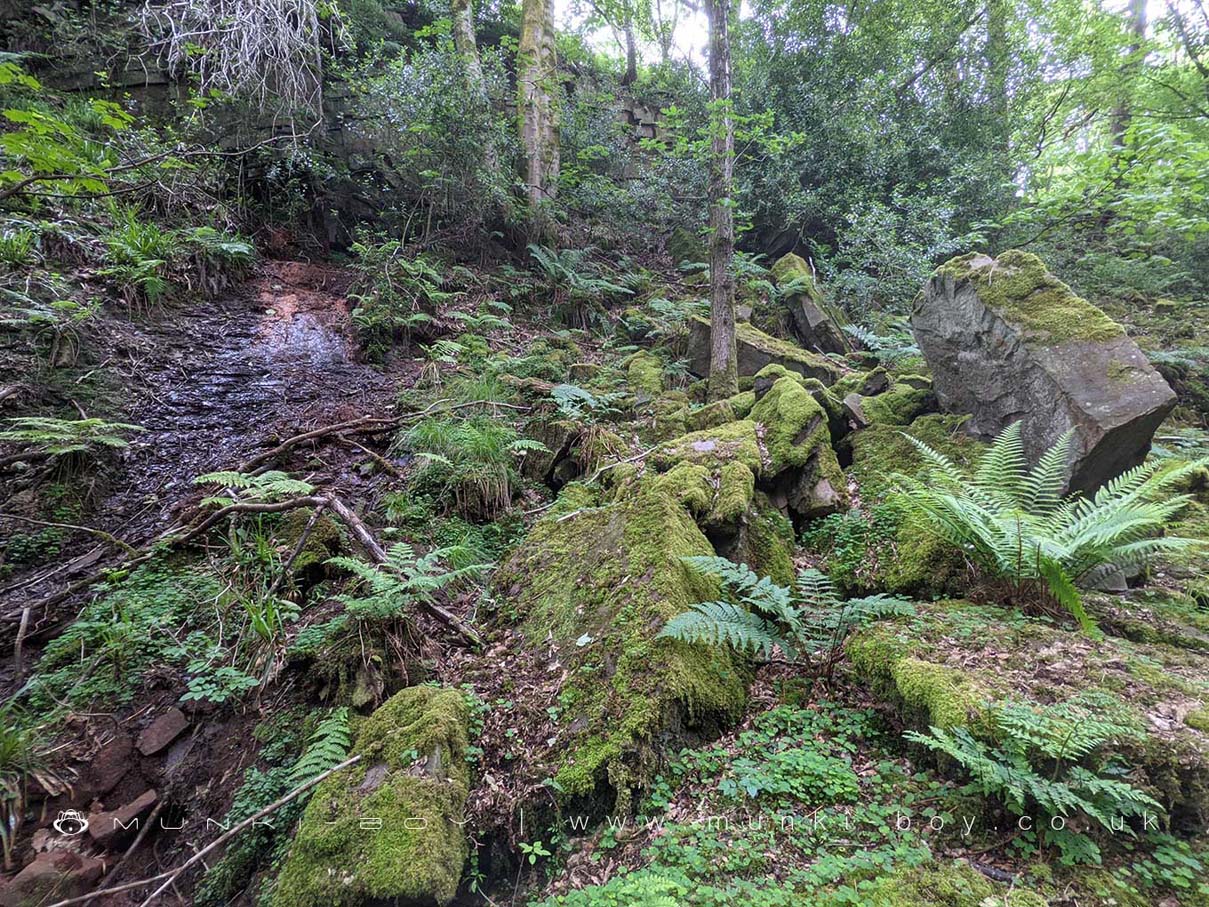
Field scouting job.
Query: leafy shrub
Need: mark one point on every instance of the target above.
(392, 589)
(1052, 759)
(1015, 524)
(395, 293)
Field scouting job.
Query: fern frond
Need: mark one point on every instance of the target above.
(722, 623)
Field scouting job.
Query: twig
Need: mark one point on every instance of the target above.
(171, 876)
(99, 533)
(298, 546)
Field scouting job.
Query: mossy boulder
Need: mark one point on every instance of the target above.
(953, 661)
(913, 561)
(685, 246)
(1007, 341)
(412, 784)
(955, 884)
(812, 322)
(599, 584)
(900, 405)
(755, 350)
(802, 471)
(644, 374)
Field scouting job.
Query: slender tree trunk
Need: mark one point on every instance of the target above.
(723, 364)
(631, 54)
(537, 75)
(1122, 113)
(464, 40)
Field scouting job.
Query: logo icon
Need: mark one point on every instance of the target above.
(70, 822)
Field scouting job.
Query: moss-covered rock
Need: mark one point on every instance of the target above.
(644, 374)
(953, 661)
(801, 312)
(414, 779)
(1008, 342)
(802, 467)
(756, 349)
(901, 405)
(734, 441)
(712, 415)
(600, 584)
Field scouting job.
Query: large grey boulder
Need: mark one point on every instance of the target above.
(755, 349)
(1007, 341)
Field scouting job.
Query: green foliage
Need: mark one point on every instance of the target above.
(216, 684)
(60, 437)
(393, 588)
(1015, 524)
(327, 747)
(581, 405)
(471, 462)
(1053, 759)
(759, 617)
(395, 292)
(272, 485)
(135, 625)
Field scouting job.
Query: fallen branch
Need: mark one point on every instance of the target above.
(171, 876)
(99, 533)
(346, 514)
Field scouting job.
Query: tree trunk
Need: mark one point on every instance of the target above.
(464, 40)
(723, 366)
(1123, 113)
(537, 77)
(631, 54)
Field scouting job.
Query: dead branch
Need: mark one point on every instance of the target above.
(171, 876)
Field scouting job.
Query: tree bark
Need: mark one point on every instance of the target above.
(631, 54)
(723, 364)
(537, 75)
(464, 40)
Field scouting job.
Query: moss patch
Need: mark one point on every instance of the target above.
(414, 765)
(644, 374)
(734, 441)
(1021, 289)
(900, 405)
(602, 584)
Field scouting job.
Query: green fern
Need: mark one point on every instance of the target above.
(1055, 760)
(327, 748)
(267, 486)
(58, 437)
(758, 617)
(1014, 523)
(390, 589)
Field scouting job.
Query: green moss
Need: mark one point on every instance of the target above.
(741, 403)
(1019, 286)
(795, 426)
(737, 441)
(613, 577)
(736, 486)
(900, 405)
(671, 414)
(689, 484)
(644, 374)
(323, 542)
(1198, 720)
(770, 543)
(879, 451)
(941, 695)
(414, 765)
(954, 884)
(712, 415)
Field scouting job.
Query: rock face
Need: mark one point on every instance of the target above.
(815, 324)
(756, 350)
(1008, 342)
(388, 829)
